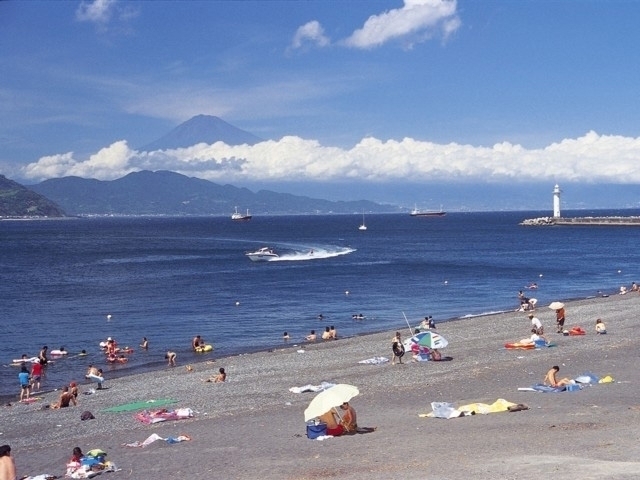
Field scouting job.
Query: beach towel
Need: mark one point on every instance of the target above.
(156, 416)
(155, 437)
(129, 407)
(586, 378)
(374, 361)
(542, 388)
(577, 331)
(312, 388)
(447, 410)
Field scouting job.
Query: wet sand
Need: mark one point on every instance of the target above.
(252, 425)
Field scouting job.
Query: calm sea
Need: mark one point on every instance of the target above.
(169, 279)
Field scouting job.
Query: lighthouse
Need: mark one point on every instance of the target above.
(556, 201)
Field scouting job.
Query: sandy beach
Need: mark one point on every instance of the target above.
(252, 425)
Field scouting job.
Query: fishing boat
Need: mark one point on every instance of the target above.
(263, 254)
(240, 216)
(363, 226)
(427, 213)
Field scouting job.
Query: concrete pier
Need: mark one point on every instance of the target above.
(581, 221)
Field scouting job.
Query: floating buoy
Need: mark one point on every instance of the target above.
(109, 317)
(237, 303)
(347, 292)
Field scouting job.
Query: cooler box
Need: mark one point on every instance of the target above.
(316, 430)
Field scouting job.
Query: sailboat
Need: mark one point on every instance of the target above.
(363, 226)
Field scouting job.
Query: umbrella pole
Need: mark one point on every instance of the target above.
(408, 325)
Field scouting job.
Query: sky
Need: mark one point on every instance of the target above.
(377, 92)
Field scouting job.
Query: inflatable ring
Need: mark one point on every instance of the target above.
(204, 348)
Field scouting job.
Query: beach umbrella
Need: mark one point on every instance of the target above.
(556, 305)
(328, 399)
(431, 340)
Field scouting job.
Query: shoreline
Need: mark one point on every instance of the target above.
(255, 410)
(158, 365)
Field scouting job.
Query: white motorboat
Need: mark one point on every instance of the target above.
(240, 216)
(263, 254)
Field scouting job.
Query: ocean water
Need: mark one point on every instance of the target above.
(169, 279)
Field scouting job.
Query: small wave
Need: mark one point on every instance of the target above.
(484, 314)
(313, 254)
(149, 259)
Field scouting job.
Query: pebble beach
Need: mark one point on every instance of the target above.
(253, 426)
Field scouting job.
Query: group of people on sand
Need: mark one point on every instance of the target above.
(343, 421)
(537, 329)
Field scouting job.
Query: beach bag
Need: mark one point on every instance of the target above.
(316, 430)
(86, 415)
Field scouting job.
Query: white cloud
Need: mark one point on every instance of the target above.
(311, 32)
(590, 158)
(98, 11)
(417, 18)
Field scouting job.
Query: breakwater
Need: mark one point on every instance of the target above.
(581, 221)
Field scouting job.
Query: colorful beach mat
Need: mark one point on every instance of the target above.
(142, 405)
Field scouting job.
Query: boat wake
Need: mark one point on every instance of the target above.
(315, 253)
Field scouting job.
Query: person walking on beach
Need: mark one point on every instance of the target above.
(7, 465)
(536, 324)
(551, 378)
(25, 383)
(397, 348)
(560, 319)
(36, 375)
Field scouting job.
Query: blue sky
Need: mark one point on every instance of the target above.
(372, 91)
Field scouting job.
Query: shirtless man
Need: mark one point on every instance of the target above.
(220, 378)
(7, 466)
(196, 342)
(349, 420)
(311, 337)
(333, 428)
(66, 398)
(551, 379)
(326, 335)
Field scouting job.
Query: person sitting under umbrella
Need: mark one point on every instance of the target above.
(348, 420)
(333, 427)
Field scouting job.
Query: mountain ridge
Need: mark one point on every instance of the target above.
(169, 193)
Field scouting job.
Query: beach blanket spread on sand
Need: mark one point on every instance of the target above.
(447, 410)
(155, 416)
